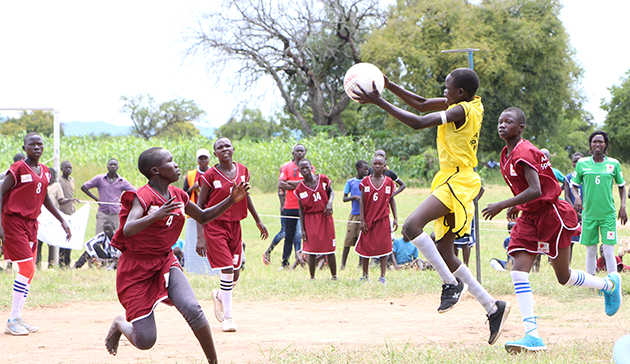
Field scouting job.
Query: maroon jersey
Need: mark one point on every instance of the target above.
(158, 238)
(319, 228)
(221, 188)
(26, 196)
(513, 172)
(376, 203)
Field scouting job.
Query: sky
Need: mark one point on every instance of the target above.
(80, 57)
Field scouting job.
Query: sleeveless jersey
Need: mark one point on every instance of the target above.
(513, 172)
(458, 147)
(221, 188)
(26, 196)
(158, 238)
(313, 200)
(597, 181)
(376, 203)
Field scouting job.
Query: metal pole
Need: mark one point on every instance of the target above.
(476, 215)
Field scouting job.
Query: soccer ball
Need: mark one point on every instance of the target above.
(363, 74)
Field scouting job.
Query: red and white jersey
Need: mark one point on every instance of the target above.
(221, 188)
(376, 203)
(26, 196)
(313, 200)
(158, 238)
(513, 172)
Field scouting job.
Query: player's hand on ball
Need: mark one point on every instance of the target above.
(240, 191)
(367, 97)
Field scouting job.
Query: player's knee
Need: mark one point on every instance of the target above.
(146, 340)
(194, 316)
(27, 268)
(411, 231)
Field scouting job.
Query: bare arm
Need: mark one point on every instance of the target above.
(401, 186)
(288, 185)
(392, 205)
(301, 214)
(623, 216)
(363, 225)
(252, 210)
(205, 216)
(88, 193)
(532, 192)
(329, 205)
(136, 223)
(416, 101)
(577, 204)
(201, 201)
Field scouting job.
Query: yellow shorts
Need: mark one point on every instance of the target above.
(456, 188)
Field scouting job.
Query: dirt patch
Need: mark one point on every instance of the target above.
(74, 333)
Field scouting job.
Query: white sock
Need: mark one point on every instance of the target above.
(28, 288)
(425, 244)
(591, 259)
(476, 289)
(20, 285)
(525, 299)
(580, 278)
(609, 256)
(227, 282)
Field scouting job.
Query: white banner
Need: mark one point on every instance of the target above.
(51, 232)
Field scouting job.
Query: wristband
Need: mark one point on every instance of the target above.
(443, 116)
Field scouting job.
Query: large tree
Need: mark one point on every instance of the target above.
(616, 123)
(29, 121)
(172, 118)
(304, 46)
(524, 60)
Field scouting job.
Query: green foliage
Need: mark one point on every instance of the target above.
(252, 125)
(29, 121)
(616, 123)
(172, 118)
(524, 60)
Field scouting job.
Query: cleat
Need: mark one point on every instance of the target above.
(451, 295)
(228, 325)
(526, 344)
(218, 305)
(29, 327)
(497, 319)
(15, 328)
(612, 297)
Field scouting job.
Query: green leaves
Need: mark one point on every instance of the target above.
(616, 123)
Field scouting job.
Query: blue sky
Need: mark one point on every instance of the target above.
(79, 58)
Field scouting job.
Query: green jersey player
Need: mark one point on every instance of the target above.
(597, 174)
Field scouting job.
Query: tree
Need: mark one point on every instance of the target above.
(525, 60)
(252, 125)
(39, 121)
(616, 123)
(305, 47)
(170, 119)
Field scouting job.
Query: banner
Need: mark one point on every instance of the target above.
(51, 232)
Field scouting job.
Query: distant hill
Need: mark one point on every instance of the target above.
(101, 127)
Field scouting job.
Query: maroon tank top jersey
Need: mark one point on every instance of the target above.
(26, 196)
(221, 188)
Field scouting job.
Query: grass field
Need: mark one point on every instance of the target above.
(262, 283)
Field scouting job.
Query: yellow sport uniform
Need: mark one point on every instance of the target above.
(456, 184)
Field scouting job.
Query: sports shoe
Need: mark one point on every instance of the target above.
(218, 305)
(15, 328)
(528, 343)
(228, 325)
(382, 280)
(364, 279)
(29, 327)
(451, 295)
(612, 297)
(497, 319)
(266, 258)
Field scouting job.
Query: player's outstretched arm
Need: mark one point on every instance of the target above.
(239, 192)
(623, 216)
(50, 206)
(416, 101)
(532, 192)
(264, 234)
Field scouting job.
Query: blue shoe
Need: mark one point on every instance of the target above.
(612, 298)
(528, 343)
(382, 281)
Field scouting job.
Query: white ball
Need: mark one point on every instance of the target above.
(363, 74)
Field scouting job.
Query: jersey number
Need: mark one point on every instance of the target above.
(597, 179)
(375, 197)
(317, 196)
(169, 221)
(39, 188)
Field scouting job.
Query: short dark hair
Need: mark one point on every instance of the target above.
(520, 115)
(579, 154)
(148, 159)
(33, 133)
(112, 159)
(360, 163)
(599, 132)
(467, 79)
(214, 146)
(19, 157)
(305, 160)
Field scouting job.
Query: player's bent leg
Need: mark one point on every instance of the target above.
(429, 210)
(183, 298)
(119, 327)
(144, 333)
